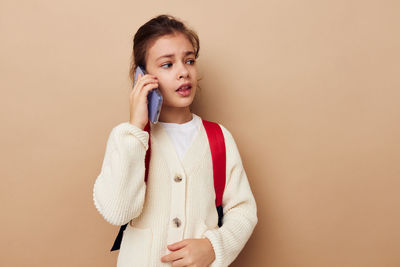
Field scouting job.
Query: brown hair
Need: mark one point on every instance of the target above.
(153, 29)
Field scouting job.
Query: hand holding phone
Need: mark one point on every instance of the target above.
(145, 88)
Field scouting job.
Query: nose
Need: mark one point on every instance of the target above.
(182, 72)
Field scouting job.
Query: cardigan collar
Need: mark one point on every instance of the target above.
(193, 156)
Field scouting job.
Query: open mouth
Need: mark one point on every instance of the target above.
(184, 90)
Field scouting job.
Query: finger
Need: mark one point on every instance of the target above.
(137, 78)
(180, 263)
(147, 88)
(173, 256)
(142, 82)
(177, 245)
(145, 77)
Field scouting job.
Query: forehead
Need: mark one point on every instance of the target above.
(169, 44)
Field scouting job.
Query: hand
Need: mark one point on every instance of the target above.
(191, 253)
(138, 99)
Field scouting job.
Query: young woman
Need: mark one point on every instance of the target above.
(172, 218)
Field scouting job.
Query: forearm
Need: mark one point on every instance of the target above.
(119, 189)
(229, 240)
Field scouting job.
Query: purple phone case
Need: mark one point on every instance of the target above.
(154, 99)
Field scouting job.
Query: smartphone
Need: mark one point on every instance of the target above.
(154, 98)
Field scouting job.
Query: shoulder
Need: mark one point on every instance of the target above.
(228, 137)
(231, 147)
(225, 131)
(233, 158)
(125, 131)
(227, 134)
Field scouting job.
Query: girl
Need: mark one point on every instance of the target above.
(172, 219)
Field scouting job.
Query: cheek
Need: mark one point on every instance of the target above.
(165, 84)
(162, 85)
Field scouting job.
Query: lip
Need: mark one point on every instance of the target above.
(184, 84)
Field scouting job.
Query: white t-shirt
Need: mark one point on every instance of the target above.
(182, 135)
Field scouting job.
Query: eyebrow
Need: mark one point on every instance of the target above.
(172, 55)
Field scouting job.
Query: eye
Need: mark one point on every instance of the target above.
(166, 65)
(192, 61)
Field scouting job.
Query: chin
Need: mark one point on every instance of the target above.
(184, 105)
(183, 101)
(181, 104)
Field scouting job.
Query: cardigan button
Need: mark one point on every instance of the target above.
(177, 222)
(177, 179)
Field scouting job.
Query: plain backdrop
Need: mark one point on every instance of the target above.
(309, 89)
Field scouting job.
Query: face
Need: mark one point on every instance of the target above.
(171, 58)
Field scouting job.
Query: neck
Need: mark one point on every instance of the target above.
(175, 115)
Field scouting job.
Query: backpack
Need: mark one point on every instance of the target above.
(218, 154)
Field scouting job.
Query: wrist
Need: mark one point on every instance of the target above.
(211, 248)
(137, 125)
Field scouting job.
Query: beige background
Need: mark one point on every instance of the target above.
(309, 89)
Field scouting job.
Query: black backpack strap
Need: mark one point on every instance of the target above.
(220, 215)
(118, 239)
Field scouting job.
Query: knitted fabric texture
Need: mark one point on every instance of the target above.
(178, 201)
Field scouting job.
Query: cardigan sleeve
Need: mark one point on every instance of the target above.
(119, 189)
(239, 209)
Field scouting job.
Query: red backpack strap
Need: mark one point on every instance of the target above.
(148, 153)
(218, 153)
(118, 239)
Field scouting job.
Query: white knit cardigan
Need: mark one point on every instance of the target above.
(178, 201)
